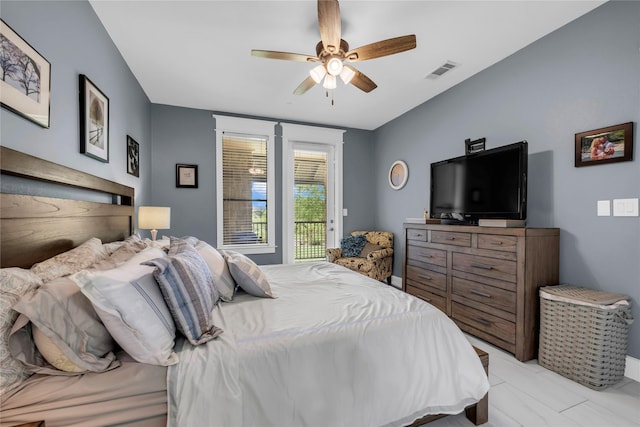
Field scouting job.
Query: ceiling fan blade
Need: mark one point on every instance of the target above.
(307, 84)
(287, 56)
(361, 81)
(329, 23)
(382, 48)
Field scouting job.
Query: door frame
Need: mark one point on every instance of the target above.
(292, 135)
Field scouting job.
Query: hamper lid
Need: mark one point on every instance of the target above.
(578, 294)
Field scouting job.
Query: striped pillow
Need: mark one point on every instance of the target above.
(222, 279)
(247, 274)
(187, 287)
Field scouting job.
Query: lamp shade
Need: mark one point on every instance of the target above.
(154, 217)
(329, 82)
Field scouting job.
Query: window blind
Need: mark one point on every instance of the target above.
(244, 174)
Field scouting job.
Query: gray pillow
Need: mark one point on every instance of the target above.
(187, 287)
(222, 279)
(247, 274)
(64, 315)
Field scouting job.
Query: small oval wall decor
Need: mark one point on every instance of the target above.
(398, 174)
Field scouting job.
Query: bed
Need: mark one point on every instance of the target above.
(332, 348)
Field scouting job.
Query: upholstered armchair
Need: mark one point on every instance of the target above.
(374, 260)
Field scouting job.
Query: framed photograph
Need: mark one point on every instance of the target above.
(471, 147)
(605, 145)
(25, 87)
(187, 176)
(94, 121)
(398, 174)
(133, 157)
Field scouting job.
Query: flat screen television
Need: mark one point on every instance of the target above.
(486, 184)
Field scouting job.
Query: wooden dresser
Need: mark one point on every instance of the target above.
(485, 278)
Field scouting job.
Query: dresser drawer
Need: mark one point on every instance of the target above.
(428, 255)
(481, 293)
(485, 322)
(484, 266)
(427, 277)
(497, 242)
(417, 234)
(436, 300)
(451, 238)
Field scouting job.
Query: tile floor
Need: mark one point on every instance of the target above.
(526, 394)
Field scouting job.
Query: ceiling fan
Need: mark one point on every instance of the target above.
(332, 52)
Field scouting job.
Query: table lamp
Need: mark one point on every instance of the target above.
(154, 217)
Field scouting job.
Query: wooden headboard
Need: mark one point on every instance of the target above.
(34, 228)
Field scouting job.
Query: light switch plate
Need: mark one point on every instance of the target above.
(345, 212)
(625, 207)
(604, 207)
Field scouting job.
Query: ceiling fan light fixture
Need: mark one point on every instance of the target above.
(334, 66)
(329, 82)
(347, 75)
(318, 73)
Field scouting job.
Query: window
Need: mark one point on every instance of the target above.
(245, 174)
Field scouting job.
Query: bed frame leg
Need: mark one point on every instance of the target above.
(479, 413)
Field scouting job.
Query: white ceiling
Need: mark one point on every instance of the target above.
(197, 54)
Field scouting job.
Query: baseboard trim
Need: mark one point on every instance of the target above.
(632, 368)
(396, 282)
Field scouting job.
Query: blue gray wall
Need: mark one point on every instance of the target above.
(583, 76)
(183, 135)
(70, 36)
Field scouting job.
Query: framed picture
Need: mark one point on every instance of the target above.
(471, 147)
(605, 145)
(398, 174)
(94, 121)
(187, 176)
(133, 157)
(25, 87)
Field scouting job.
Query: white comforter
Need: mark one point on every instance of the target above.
(335, 348)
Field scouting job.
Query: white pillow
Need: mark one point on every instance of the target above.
(71, 261)
(15, 283)
(222, 279)
(130, 303)
(247, 274)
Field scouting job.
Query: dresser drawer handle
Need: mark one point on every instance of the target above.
(418, 235)
(479, 293)
(422, 276)
(496, 243)
(482, 266)
(449, 238)
(481, 321)
(427, 256)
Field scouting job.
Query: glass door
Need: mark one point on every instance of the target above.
(313, 185)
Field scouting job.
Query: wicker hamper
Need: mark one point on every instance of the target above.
(583, 334)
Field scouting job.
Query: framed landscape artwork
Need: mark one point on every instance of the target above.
(133, 157)
(604, 145)
(25, 86)
(94, 121)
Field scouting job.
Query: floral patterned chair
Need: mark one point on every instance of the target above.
(375, 259)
